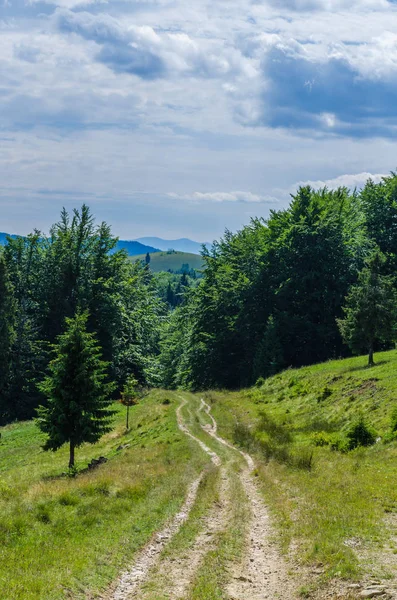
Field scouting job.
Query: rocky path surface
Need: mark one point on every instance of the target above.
(262, 573)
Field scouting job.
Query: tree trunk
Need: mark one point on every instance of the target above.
(371, 356)
(128, 416)
(71, 455)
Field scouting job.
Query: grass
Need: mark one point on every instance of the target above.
(336, 509)
(212, 576)
(61, 537)
(208, 493)
(163, 261)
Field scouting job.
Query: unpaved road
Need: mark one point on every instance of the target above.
(261, 574)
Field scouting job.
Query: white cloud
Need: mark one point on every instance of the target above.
(245, 197)
(157, 95)
(353, 180)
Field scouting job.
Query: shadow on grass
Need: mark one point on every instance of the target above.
(366, 367)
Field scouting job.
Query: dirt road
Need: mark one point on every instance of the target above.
(162, 571)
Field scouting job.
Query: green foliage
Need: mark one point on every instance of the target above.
(271, 293)
(371, 309)
(77, 391)
(393, 424)
(7, 330)
(360, 434)
(75, 268)
(325, 393)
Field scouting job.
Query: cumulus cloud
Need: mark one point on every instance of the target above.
(349, 180)
(333, 5)
(142, 51)
(325, 93)
(245, 197)
(156, 95)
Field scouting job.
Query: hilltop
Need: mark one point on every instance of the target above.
(174, 261)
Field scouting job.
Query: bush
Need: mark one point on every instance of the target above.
(321, 438)
(360, 434)
(324, 394)
(339, 443)
(260, 381)
(394, 421)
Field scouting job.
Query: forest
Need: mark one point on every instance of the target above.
(314, 281)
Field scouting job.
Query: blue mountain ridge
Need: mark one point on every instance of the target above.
(132, 247)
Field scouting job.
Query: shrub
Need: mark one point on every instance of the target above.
(321, 438)
(394, 421)
(338, 443)
(360, 434)
(260, 381)
(324, 394)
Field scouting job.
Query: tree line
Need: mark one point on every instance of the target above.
(80, 320)
(312, 282)
(74, 271)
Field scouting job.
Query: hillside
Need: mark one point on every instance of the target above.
(174, 261)
(334, 508)
(175, 512)
(62, 536)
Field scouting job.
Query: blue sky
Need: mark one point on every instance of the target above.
(183, 118)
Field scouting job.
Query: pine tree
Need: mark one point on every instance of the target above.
(370, 311)
(147, 258)
(79, 396)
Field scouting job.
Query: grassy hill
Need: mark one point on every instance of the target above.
(335, 508)
(163, 261)
(61, 536)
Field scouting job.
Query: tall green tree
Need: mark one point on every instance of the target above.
(370, 309)
(77, 390)
(7, 329)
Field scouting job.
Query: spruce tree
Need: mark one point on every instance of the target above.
(77, 391)
(370, 310)
(7, 332)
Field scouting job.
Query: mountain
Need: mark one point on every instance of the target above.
(3, 237)
(181, 245)
(133, 248)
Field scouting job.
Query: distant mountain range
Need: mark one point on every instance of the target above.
(145, 244)
(181, 245)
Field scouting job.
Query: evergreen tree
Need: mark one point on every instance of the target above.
(370, 310)
(7, 332)
(78, 394)
(147, 258)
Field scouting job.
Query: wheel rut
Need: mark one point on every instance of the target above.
(261, 574)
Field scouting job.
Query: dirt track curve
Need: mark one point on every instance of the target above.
(261, 574)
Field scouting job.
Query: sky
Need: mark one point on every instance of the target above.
(180, 118)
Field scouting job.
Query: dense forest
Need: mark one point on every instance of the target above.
(281, 292)
(45, 280)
